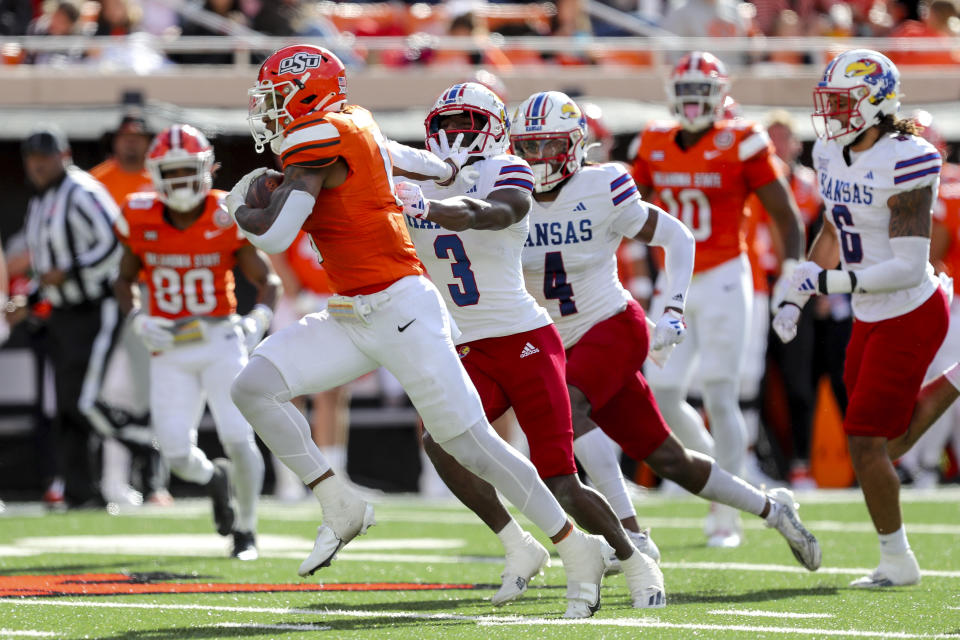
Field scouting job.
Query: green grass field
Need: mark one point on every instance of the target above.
(428, 570)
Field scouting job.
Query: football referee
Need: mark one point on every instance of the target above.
(74, 256)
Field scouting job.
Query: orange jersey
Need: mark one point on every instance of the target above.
(121, 183)
(946, 212)
(357, 227)
(305, 263)
(189, 272)
(706, 186)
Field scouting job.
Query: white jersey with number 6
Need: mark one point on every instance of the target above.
(855, 197)
(478, 272)
(569, 259)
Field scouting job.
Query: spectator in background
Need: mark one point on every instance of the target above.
(63, 20)
(939, 21)
(124, 171)
(712, 18)
(117, 17)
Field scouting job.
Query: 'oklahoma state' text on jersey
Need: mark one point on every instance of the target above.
(707, 185)
(358, 227)
(189, 272)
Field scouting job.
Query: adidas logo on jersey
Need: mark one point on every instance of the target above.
(528, 350)
(869, 176)
(472, 189)
(580, 207)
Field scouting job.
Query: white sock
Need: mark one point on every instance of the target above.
(730, 490)
(594, 450)
(511, 536)
(248, 472)
(894, 544)
(953, 375)
(194, 467)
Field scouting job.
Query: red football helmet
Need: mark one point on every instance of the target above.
(293, 82)
(181, 147)
(696, 90)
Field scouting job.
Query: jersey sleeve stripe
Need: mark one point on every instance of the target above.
(323, 132)
(315, 163)
(305, 123)
(306, 147)
(514, 182)
(752, 145)
(918, 160)
(619, 182)
(521, 168)
(916, 174)
(617, 199)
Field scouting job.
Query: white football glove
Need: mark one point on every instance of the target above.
(255, 325)
(783, 284)
(238, 195)
(414, 204)
(669, 330)
(785, 322)
(452, 153)
(659, 356)
(156, 332)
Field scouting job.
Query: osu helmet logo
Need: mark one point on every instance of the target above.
(299, 62)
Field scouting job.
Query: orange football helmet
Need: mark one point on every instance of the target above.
(181, 147)
(696, 90)
(293, 82)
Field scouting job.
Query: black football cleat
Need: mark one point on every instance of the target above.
(220, 491)
(244, 546)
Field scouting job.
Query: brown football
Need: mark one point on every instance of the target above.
(260, 190)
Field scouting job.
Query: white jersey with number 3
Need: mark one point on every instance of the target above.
(855, 199)
(569, 259)
(478, 272)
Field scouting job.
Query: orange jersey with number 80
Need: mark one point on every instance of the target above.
(358, 227)
(707, 185)
(189, 272)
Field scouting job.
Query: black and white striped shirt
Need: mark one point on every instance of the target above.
(70, 227)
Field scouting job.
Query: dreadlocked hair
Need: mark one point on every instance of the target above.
(892, 124)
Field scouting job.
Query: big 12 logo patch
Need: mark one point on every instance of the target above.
(299, 62)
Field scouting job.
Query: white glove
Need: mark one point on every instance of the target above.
(412, 199)
(255, 324)
(156, 332)
(670, 330)
(452, 153)
(783, 284)
(947, 283)
(659, 356)
(238, 195)
(785, 322)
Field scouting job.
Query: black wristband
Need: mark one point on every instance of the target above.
(822, 282)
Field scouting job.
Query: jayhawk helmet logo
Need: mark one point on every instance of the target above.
(873, 74)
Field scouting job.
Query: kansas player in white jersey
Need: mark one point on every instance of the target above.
(579, 217)
(470, 234)
(878, 180)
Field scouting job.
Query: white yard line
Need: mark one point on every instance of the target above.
(273, 627)
(502, 620)
(4, 633)
(754, 613)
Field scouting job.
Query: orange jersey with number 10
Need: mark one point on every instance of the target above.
(706, 186)
(189, 272)
(358, 227)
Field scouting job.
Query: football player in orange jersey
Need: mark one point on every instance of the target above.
(187, 245)
(701, 169)
(338, 187)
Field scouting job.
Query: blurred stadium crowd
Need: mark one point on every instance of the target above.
(479, 19)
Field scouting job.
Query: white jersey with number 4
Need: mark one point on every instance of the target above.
(855, 200)
(478, 272)
(569, 259)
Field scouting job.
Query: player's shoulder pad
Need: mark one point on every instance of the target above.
(508, 170)
(137, 209)
(612, 178)
(914, 160)
(752, 139)
(660, 126)
(819, 153)
(309, 130)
